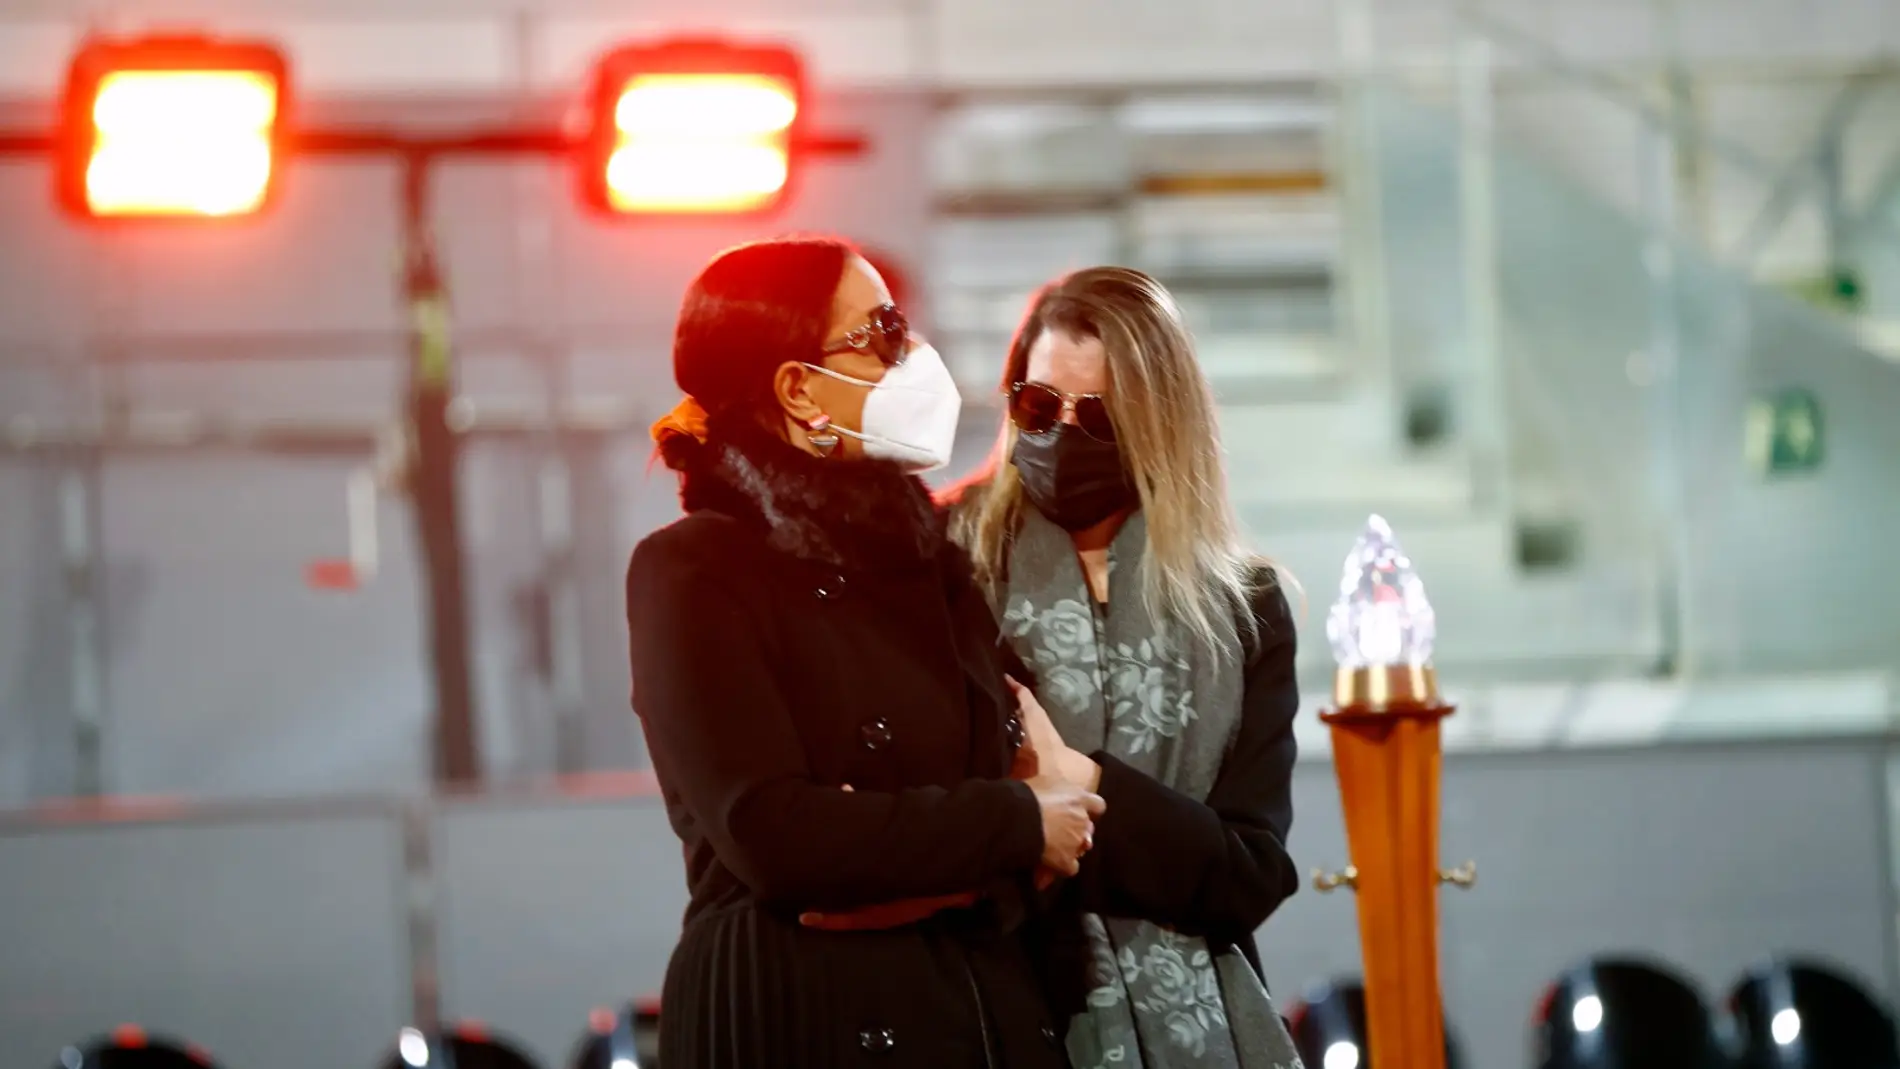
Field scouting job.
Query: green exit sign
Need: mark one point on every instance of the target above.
(1786, 434)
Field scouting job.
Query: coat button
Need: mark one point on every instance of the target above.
(1049, 1035)
(877, 1040)
(1013, 728)
(876, 734)
(831, 588)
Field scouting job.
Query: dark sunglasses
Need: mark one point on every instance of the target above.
(1036, 408)
(886, 335)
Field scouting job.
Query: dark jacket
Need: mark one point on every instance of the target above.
(1215, 869)
(807, 626)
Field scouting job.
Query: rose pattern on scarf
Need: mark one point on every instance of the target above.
(1063, 645)
(1156, 999)
(1064, 632)
(1101, 1048)
(1181, 988)
(1174, 981)
(1064, 686)
(1153, 700)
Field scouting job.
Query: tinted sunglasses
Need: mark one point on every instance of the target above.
(1036, 408)
(886, 335)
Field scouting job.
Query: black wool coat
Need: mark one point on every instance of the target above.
(804, 627)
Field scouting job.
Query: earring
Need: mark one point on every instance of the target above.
(819, 433)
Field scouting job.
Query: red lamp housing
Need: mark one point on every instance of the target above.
(693, 127)
(171, 127)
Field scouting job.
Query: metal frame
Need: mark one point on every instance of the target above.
(1665, 112)
(432, 434)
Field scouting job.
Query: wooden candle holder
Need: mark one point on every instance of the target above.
(1387, 755)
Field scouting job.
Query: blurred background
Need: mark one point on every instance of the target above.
(1597, 302)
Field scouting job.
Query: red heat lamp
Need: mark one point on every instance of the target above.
(171, 127)
(692, 127)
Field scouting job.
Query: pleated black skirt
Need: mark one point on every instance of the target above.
(747, 989)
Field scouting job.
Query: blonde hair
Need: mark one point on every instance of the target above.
(1196, 574)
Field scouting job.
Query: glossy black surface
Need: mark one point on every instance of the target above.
(1792, 1014)
(616, 1039)
(139, 1053)
(461, 1049)
(1623, 1014)
(1335, 1013)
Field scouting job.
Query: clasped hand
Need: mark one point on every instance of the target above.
(1064, 783)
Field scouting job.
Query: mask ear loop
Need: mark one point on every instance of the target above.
(819, 432)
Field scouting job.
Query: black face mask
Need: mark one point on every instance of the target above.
(1074, 480)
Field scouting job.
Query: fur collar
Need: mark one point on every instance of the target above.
(849, 514)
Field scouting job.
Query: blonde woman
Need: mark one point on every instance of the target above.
(1163, 654)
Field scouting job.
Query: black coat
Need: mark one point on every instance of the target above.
(807, 626)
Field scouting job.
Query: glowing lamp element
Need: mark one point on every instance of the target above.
(701, 143)
(694, 178)
(413, 1047)
(171, 128)
(181, 143)
(1382, 618)
(1785, 1028)
(1587, 1015)
(693, 127)
(706, 105)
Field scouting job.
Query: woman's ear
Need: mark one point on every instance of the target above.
(792, 388)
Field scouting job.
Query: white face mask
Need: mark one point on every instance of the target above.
(911, 414)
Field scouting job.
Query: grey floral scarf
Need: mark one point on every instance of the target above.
(1115, 681)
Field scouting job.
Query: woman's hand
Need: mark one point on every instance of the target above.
(1052, 754)
(1027, 763)
(1065, 788)
(1038, 730)
(1068, 821)
(1027, 766)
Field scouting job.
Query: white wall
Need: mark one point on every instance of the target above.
(361, 46)
(187, 542)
